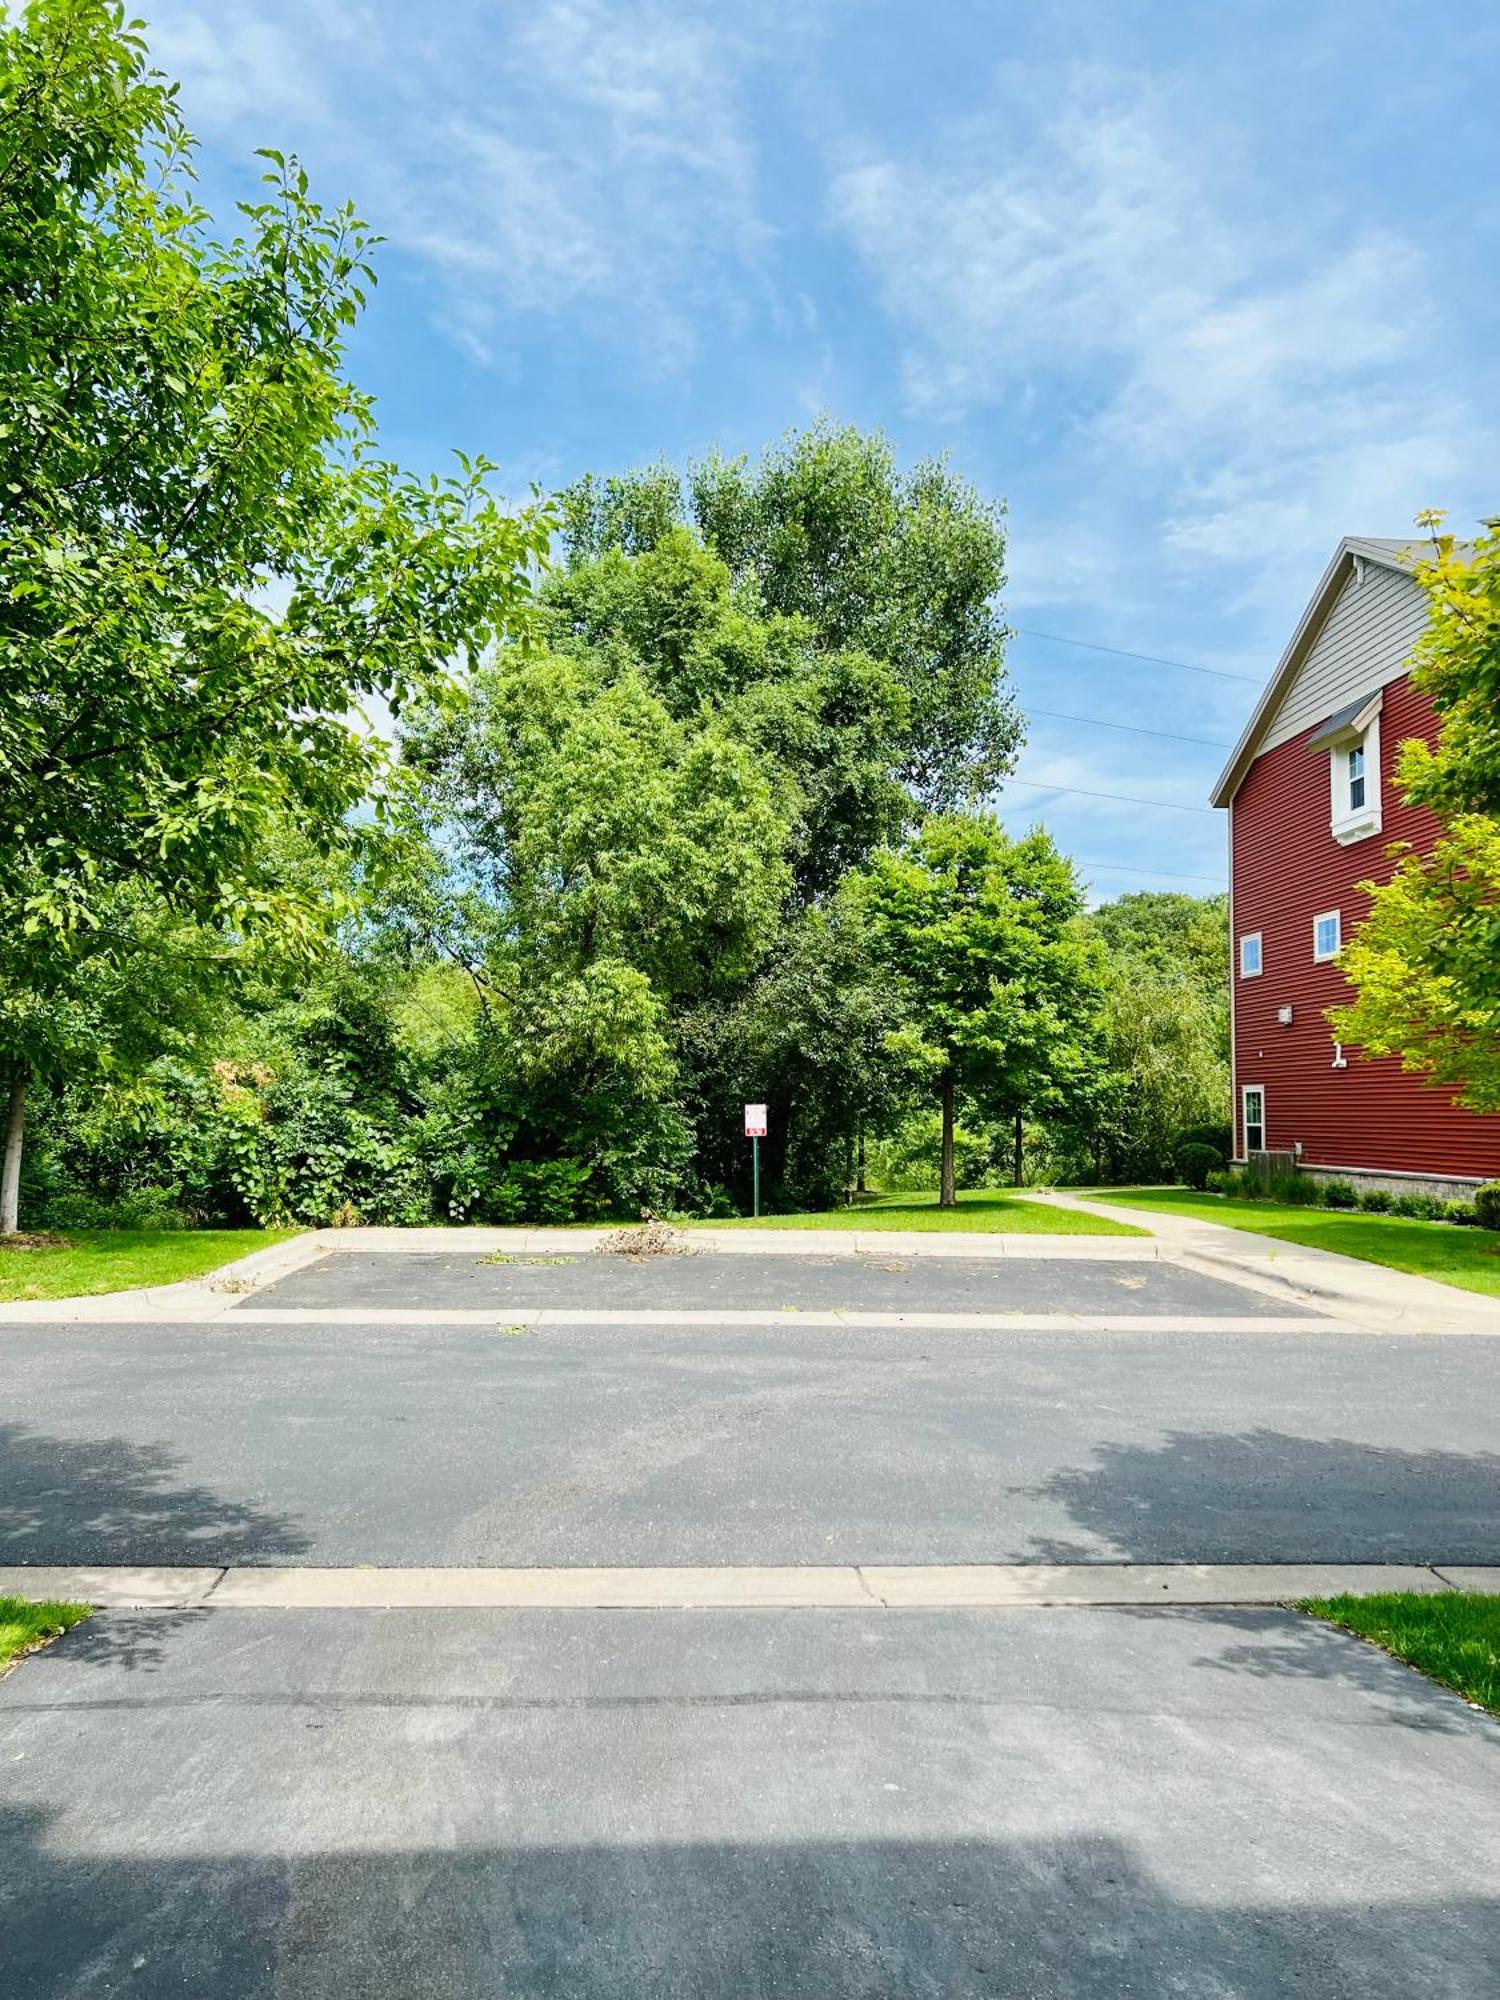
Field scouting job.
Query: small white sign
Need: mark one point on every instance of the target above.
(755, 1121)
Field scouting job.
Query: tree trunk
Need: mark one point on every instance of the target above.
(859, 1169)
(947, 1194)
(1020, 1147)
(10, 1173)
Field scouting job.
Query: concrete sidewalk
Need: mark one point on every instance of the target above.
(1368, 1295)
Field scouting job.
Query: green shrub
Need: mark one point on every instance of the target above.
(1292, 1187)
(538, 1191)
(1219, 1137)
(1422, 1207)
(1195, 1163)
(1487, 1205)
(138, 1208)
(1375, 1200)
(1340, 1194)
(1461, 1212)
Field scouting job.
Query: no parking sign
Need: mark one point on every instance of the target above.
(755, 1121)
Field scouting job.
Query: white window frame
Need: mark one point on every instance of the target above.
(1334, 917)
(1247, 1091)
(1252, 972)
(1350, 822)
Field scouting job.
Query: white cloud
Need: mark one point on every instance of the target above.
(1258, 379)
(574, 153)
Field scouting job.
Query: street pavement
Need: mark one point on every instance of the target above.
(796, 1804)
(711, 1806)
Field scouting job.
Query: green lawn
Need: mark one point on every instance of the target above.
(984, 1209)
(122, 1260)
(1467, 1258)
(1452, 1637)
(24, 1626)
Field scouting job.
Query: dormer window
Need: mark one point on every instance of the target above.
(1352, 741)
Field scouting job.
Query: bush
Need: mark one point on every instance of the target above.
(1292, 1187)
(1423, 1207)
(1340, 1194)
(1375, 1200)
(1487, 1205)
(1462, 1212)
(140, 1208)
(1195, 1163)
(1218, 1137)
(538, 1191)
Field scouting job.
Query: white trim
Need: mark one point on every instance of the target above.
(1234, 1043)
(1349, 823)
(1245, 1090)
(1334, 917)
(1252, 972)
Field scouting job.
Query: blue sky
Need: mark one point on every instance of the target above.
(1195, 288)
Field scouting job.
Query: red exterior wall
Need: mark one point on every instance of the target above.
(1286, 868)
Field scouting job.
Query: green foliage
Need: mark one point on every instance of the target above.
(1195, 1163)
(997, 979)
(901, 568)
(1375, 1200)
(1339, 1194)
(1219, 1138)
(180, 452)
(1425, 964)
(1487, 1205)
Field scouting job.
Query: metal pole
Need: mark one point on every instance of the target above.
(755, 1158)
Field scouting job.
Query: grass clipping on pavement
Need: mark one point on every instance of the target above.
(24, 1626)
(1452, 1636)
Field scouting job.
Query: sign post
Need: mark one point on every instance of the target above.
(755, 1131)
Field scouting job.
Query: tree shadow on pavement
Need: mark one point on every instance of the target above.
(78, 1502)
(1271, 1496)
(1074, 1917)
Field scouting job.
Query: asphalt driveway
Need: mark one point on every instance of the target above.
(710, 1806)
(772, 1444)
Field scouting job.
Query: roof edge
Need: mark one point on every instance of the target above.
(1388, 556)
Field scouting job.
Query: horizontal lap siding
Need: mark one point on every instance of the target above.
(1287, 868)
(1366, 642)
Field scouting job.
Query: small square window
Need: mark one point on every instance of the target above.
(1327, 936)
(1250, 955)
(1253, 1100)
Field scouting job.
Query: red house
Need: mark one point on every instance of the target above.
(1313, 807)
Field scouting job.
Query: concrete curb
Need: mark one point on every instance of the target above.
(852, 1318)
(877, 1586)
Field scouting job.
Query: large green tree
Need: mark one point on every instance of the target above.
(999, 980)
(1425, 964)
(903, 568)
(205, 565)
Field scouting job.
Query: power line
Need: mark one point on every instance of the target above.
(1120, 653)
(1121, 798)
(1098, 722)
(1123, 868)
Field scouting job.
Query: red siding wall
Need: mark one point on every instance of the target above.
(1286, 868)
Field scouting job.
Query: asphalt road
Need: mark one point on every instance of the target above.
(666, 1445)
(1082, 1805)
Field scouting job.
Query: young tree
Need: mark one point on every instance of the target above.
(180, 452)
(998, 977)
(1425, 964)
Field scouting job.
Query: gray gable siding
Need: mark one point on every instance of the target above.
(1366, 641)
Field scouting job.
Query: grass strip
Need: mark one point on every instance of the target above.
(1452, 1636)
(24, 1626)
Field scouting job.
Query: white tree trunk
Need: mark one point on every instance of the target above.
(10, 1173)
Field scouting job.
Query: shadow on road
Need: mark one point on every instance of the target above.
(805, 1920)
(1271, 1496)
(71, 1501)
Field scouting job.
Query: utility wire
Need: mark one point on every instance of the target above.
(1124, 868)
(1098, 722)
(1120, 653)
(1122, 798)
